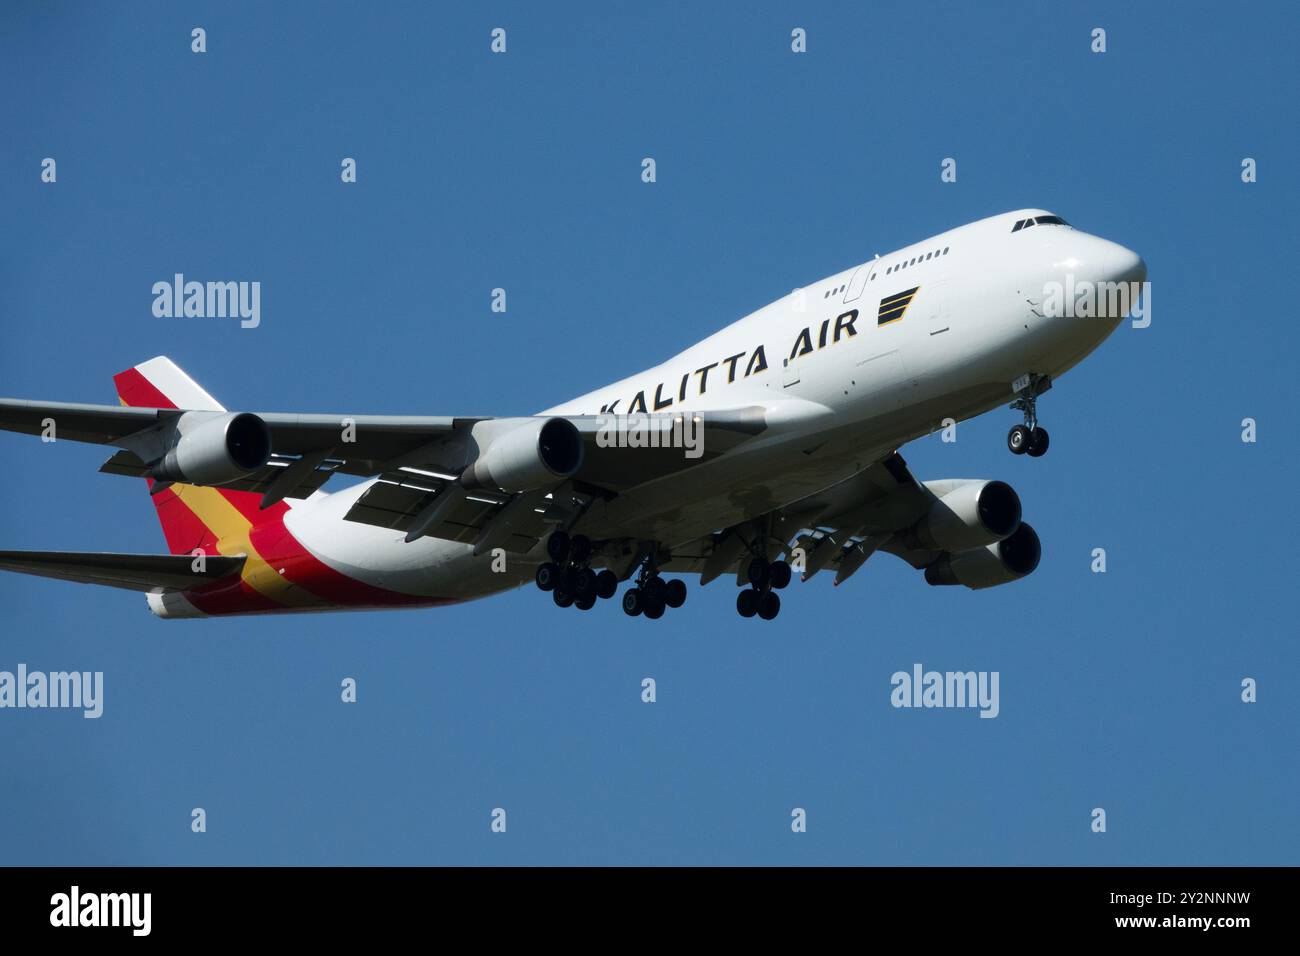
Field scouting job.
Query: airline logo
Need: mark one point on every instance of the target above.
(892, 308)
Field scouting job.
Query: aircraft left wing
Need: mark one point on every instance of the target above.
(362, 445)
(447, 476)
(374, 439)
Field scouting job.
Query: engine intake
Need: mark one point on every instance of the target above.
(971, 515)
(215, 449)
(999, 563)
(537, 454)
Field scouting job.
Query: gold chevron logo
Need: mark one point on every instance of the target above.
(893, 307)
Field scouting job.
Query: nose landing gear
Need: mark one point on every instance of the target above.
(1029, 439)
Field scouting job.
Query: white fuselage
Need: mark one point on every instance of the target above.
(835, 404)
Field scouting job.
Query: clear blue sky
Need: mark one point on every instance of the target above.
(523, 171)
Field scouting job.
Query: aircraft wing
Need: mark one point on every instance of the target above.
(836, 529)
(420, 460)
(134, 572)
(426, 498)
(367, 445)
(378, 438)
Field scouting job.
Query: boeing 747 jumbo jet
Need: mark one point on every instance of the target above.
(770, 444)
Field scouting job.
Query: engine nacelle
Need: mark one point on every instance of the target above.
(537, 454)
(999, 563)
(971, 515)
(215, 449)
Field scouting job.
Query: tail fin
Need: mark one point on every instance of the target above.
(191, 517)
(160, 383)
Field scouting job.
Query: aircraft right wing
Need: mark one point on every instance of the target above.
(959, 531)
(837, 528)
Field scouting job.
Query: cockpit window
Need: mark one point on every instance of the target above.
(1040, 220)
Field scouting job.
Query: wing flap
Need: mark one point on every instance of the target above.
(263, 481)
(402, 502)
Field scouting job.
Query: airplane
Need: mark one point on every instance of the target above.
(769, 447)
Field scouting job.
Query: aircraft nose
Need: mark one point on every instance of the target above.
(1122, 264)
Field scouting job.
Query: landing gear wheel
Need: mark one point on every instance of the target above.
(584, 583)
(769, 605)
(747, 602)
(655, 588)
(567, 580)
(780, 572)
(547, 576)
(562, 597)
(1024, 438)
(675, 592)
(654, 606)
(585, 603)
(606, 584)
(759, 573)
(557, 546)
(579, 548)
(632, 602)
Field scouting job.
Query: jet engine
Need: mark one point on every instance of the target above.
(539, 453)
(214, 449)
(999, 563)
(966, 515)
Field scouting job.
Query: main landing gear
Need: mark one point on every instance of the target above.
(651, 594)
(567, 575)
(765, 579)
(1029, 439)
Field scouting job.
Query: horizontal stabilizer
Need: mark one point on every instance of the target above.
(135, 572)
